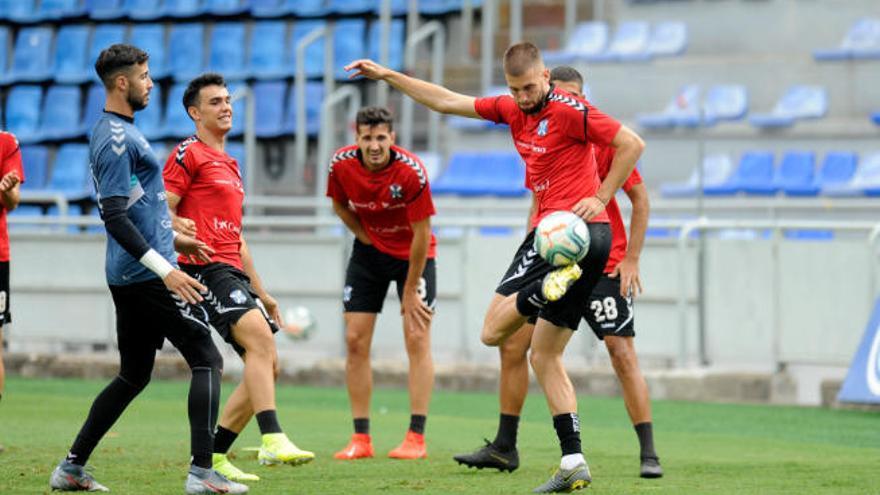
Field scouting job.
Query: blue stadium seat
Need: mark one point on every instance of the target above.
(588, 41)
(754, 175)
(149, 120)
(61, 113)
(499, 173)
(238, 110)
(439, 7)
(35, 161)
(104, 36)
(186, 51)
(143, 10)
(717, 169)
(838, 170)
(228, 50)
(668, 39)
(268, 95)
(95, 106)
(306, 8)
(267, 8)
(861, 41)
(683, 110)
(808, 235)
(151, 39)
(177, 123)
(31, 60)
(351, 7)
(630, 43)
(182, 9)
(55, 10)
(395, 43)
(314, 52)
(71, 55)
(867, 177)
(798, 102)
(875, 118)
(796, 175)
(725, 102)
(398, 7)
(105, 10)
(23, 105)
(349, 44)
(23, 11)
(70, 172)
(4, 52)
(268, 59)
(314, 97)
(226, 7)
(235, 149)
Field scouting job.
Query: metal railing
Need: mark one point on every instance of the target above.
(435, 30)
(299, 87)
(250, 135)
(326, 141)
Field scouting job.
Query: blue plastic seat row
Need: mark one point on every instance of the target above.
(266, 51)
(840, 174)
(31, 11)
(496, 173)
(633, 41)
(862, 41)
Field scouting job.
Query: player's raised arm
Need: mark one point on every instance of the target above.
(435, 97)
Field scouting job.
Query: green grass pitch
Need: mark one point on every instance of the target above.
(704, 448)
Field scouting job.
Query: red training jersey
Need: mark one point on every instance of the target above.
(555, 145)
(604, 156)
(387, 200)
(10, 153)
(208, 182)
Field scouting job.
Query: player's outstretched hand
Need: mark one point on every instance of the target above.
(588, 208)
(628, 271)
(271, 306)
(416, 314)
(184, 286)
(185, 226)
(194, 249)
(366, 68)
(9, 181)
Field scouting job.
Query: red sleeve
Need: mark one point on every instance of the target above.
(634, 179)
(179, 171)
(590, 125)
(334, 187)
(494, 108)
(12, 158)
(420, 205)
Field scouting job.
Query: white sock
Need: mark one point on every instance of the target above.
(572, 461)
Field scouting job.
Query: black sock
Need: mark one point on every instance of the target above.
(645, 431)
(505, 439)
(417, 423)
(203, 406)
(529, 300)
(223, 439)
(568, 429)
(268, 421)
(106, 409)
(362, 426)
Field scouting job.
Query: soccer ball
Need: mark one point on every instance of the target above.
(299, 323)
(562, 238)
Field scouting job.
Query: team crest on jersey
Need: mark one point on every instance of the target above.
(396, 191)
(542, 127)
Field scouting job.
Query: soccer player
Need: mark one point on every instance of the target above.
(609, 313)
(554, 132)
(205, 195)
(154, 300)
(381, 193)
(12, 176)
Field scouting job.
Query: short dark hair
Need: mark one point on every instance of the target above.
(565, 73)
(521, 57)
(373, 116)
(117, 58)
(191, 94)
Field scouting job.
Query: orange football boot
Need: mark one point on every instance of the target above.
(412, 447)
(360, 447)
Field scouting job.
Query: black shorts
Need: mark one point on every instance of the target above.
(5, 315)
(229, 297)
(147, 313)
(609, 313)
(369, 273)
(528, 267)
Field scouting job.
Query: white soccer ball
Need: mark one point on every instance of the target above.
(562, 238)
(299, 323)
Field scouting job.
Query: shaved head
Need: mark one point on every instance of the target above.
(520, 58)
